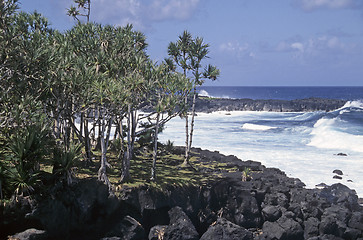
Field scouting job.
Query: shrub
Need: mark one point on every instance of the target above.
(64, 161)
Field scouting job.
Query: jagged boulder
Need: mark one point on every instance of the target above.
(283, 229)
(311, 227)
(238, 205)
(157, 232)
(30, 234)
(341, 195)
(180, 227)
(271, 213)
(128, 229)
(223, 229)
(85, 208)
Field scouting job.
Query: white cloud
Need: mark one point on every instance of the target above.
(233, 47)
(321, 46)
(297, 45)
(309, 5)
(326, 44)
(142, 13)
(237, 49)
(288, 46)
(172, 9)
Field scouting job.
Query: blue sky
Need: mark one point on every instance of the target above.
(253, 42)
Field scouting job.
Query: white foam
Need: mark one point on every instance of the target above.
(203, 93)
(353, 104)
(256, 127)
(294, 150)
(325, 136)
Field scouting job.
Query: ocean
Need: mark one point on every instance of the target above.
(305, 145)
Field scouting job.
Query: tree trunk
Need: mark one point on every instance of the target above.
(121, 134)
(94, 125)
(109, 126)
(98, 141)
(192, 122)
(125, 175)
(1, 190)
(133, 132)
(72, 119)
(155, 153)
(81, 123)
(87, 141)
(102, 174)
(57, 126)
(117, 129)
(186, 157)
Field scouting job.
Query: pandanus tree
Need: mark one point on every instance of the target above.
(168, 93)
(136, 89)
(198, 52)
(179, 53)
(188, 54)
(83, 9)
(124, 64)
(74, 72)
(25, 60)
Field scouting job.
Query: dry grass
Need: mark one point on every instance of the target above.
(169, 170)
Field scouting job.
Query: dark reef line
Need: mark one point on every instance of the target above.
(204, 104)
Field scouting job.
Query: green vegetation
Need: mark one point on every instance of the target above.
(188, 54)
(246, 174)
(170, 172)
(61, 93)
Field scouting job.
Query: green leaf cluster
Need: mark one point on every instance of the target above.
(98, 73)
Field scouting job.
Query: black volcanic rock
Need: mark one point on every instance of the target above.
(180, 227)
(223, 229)
(338, 172)
(271, 213)
(299, 105)
(157, 232)
(270, 206)
(128, 229)
(31, 234)
(284, 228)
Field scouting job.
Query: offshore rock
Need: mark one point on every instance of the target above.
(338, 172)
(300, 105)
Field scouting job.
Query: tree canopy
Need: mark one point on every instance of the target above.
(61, 94)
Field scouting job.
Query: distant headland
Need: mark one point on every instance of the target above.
(206, 104)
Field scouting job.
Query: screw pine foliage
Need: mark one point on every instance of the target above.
(61, 93)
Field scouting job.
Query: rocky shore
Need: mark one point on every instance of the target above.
(266, 205)
(205, 104)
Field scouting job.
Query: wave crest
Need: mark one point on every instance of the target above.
(256, 127)
(353, 104)
(326, 134)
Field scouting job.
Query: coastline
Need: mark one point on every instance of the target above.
(267, 205)
(232, 131)
(206, 104)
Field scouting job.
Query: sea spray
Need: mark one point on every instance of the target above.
(289, 141)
